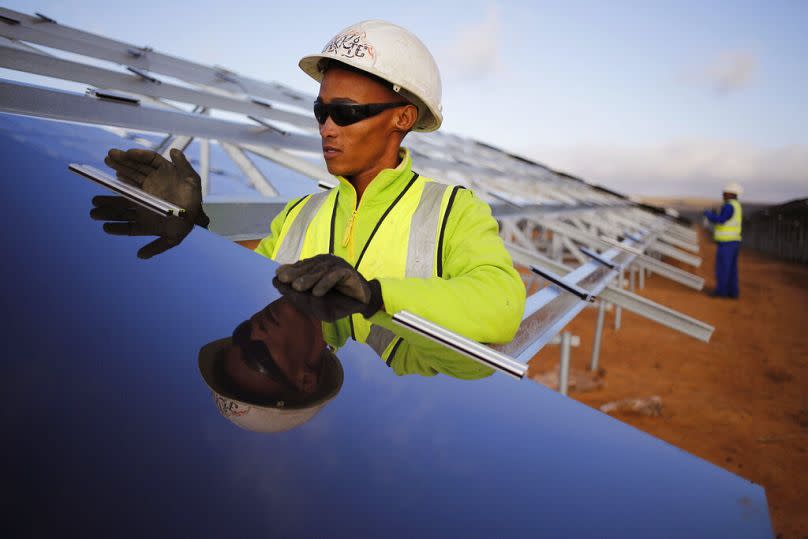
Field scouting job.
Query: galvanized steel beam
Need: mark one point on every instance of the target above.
(59, 105)
(614, 294)
(50, 66)
(58, 36)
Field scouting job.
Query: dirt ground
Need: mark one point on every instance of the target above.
(740, 401)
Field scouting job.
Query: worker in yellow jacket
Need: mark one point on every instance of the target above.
(727, 235)
(386, 239)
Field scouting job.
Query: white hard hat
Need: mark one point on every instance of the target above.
(733, 188)
(393, 54)
(276, 417)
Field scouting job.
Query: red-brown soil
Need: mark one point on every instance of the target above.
(740, 401)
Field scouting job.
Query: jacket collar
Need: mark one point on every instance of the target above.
(387, 184)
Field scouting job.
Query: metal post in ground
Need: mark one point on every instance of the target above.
(564, 365)
(556, 248)
(593, 363)
(531, 280)
(632, 272)
(618, 311)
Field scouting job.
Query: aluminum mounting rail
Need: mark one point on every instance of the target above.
(502, 210)
(32, 100)
(653, 246)
(255, 177)
(646, 308)
(666, 270)
(550, 309)
(51, 66)
(563, 284)
(672, 228)
(476, 351)
(23, 27)
(672, 252)
(665, 237)
(676, 242)
(315, 171)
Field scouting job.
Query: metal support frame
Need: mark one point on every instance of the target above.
(564, 364)
(597, 258)
(618, 310)
(143, 84)
(256, 178)
(676, 254)
(173, 142)
(473, 349)
(204, 165)
(32, 100)
(574, 250)
(660, 314)
(661, 268)
(572, 288)
(632, 273)
(622, 298)
(63, 37)
(594, 361)
(531, 192)
(307, 168)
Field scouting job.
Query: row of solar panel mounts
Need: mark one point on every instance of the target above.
(545, 218)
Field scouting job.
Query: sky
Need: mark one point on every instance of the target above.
(648, 98)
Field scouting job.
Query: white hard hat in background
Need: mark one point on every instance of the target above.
(393, 54)
(733, 188)
(277, 417)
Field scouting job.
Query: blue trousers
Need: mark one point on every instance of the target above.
(726, 269)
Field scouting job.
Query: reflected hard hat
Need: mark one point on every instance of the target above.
(393, 54)
(733, 188)
(265, 417)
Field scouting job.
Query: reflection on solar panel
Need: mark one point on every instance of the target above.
(266, 151)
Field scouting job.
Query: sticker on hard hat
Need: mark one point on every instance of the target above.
(350, 44)
(230, 408)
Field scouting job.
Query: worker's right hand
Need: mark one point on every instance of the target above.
(174, 181)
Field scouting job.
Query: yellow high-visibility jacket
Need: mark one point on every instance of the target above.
(730, 230)
(466, 283)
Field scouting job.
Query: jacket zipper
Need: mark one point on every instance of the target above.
(347, 237)
(348, 241)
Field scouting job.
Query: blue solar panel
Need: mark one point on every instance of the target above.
(110, 429)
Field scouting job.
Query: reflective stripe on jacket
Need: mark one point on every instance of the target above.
(730, 230)
(434, 248)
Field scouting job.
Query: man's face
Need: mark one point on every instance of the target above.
(352, 149)
(294, 341)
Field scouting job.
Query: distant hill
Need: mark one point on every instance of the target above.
(692, 207)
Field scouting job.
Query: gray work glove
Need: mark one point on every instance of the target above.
(329, 288)
(174, 181)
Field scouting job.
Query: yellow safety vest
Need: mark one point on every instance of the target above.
(729, 230)
(406, 242)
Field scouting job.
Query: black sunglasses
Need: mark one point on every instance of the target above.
(257, 355)
(349, 113)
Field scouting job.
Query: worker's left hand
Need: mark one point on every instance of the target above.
(329, 307)
(333, 279)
